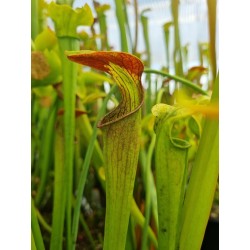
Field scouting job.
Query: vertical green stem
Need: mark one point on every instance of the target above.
(103, 26)
(177, 49)
(211, 4)
(103, 29)
(43, 222)
(77, 156)
(34, 19)
(201, 53)
(166, 27)
(153, 198)
(86, 132)
(46, 152)
(36, 232)
(144, 21)
(69, 70)
(121, 22)
(140, 220)
(88, 232)
(127, 22)
(34, 134)
(131, 241)
(136, 26)
(59, 192)
(148, 202)
(33, 244)
(39, 118)
(144, 159)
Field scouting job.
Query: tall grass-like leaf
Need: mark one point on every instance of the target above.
(59, 192)
(134, 49)
(144, 21)
(34, 19)
(140, 220)
(46, 153)
(121, 135)
(148, 187)
(202, 184)
(100, 11)
(42, 221)
(127, 25)
(211, 4)
(33, 244)
(121, 18)
(166, 27)
(171, 168)
(69, 84)
(36, 232)
(177, 49)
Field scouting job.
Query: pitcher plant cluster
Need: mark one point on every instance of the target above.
(119, 161)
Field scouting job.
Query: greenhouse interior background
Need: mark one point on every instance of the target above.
(145, 175)
(193, 27)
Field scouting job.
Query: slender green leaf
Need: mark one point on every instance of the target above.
(212, 6)
(121, 22)
(177, 78)
(36, 232)
(148, 187)
(42, 221)
(58, 213)
(202, 184)
(166, 27)
(144, 21)
(33, 244)
(100, 10)
(46, 153)
(177, 49)
(34, 19)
